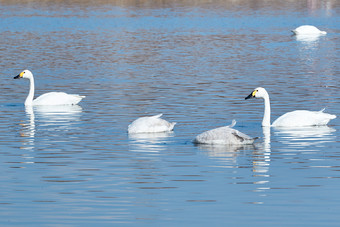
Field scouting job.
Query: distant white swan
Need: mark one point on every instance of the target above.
(224, 135)
(50, 98)
(308, 30)
(297, 118)
(150, 125)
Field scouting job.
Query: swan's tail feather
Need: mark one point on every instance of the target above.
(158, 115)
(233, 123)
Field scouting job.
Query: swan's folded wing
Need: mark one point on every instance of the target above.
(223, 135)
(57, 98)
(301, 118)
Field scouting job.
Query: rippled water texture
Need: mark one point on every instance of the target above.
(193, 61)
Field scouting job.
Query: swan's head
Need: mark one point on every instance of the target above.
(24, 74)
(259, 92)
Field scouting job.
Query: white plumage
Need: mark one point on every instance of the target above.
(224, 135)
(51, 98)
(151, 124)
(297, 118)
(308, 30)
(57, 98)
(301, 118)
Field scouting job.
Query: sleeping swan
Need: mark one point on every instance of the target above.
(151, 124)
(225, 136)
(308, 30)
(297, 118)
(50, 98)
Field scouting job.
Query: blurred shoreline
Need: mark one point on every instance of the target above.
(226, 4)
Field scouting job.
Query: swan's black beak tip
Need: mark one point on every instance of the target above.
(249, 96)
(16, 77)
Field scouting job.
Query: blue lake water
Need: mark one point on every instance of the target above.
(195, 62)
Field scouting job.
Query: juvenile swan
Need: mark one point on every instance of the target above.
(50, 98)
(297, 118)
(225, 136)
(308, 30)
(150, 125)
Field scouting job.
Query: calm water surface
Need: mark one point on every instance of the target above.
(193, 62)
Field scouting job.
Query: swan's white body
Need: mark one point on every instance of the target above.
(56, 98)
(151, 124)
(51, 98)
(297, 118)
(225, 136)
(308, 30)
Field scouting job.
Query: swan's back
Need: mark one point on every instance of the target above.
(224, 135)
(151, 124)
(57, 98)
(300, 118)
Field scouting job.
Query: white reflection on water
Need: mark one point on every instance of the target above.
(224, 152)
(149, 142)
(308, 39)
(28, 130)
(58, 114)
(261, 165)
(53, 116)
(305, 136)
(262, 161)
(308, 46)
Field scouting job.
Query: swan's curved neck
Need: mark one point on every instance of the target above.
(266, 116)
(29, 99)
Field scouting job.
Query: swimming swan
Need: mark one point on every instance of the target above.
(150, 125)
(225, 136)
(50, 98)
(308, 30)
(297, 118)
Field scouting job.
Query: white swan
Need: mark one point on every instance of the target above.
(224, 135)
(297, 118)
(151, 124)
(50, 98)
(308, 30)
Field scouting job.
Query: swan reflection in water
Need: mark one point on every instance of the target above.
(224, 152)
(305, 136)
(308, 39)
(56, 115)
(28, 129)
(307, 46)
(46, 116)
(149, 142)
(261, 161)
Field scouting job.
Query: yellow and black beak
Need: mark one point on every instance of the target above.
(19, 76)
(252, 95)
